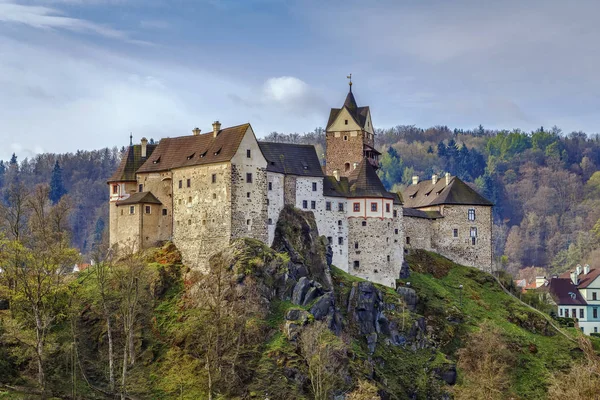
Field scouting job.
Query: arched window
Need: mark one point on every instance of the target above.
(347, 166)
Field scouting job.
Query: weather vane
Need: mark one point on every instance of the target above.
(350, 83)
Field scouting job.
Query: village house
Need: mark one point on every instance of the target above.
(577, 295)
(204, 190)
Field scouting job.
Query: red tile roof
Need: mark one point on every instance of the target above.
(584, 279)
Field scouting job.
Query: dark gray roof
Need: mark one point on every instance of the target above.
(131, 161)
(414, 213)
(362, 182)
(565, 292)
(426, 194)
(291, 159)
(140, 198)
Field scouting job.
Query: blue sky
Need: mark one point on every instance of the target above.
(82, 74)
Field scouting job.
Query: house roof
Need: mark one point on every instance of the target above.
(414, 213)
(140, 198)
(359, 114)
(131, 161)
(294, 159)
(426, 194)
(584, 279)
(185, 151)
(565, 293)
(362, 182)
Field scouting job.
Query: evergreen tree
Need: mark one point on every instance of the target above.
(13, 159)
(57, 190)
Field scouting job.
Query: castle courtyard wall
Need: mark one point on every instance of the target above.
(417, 233)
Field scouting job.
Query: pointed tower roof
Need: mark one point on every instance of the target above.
(364, 182)
(350, 102)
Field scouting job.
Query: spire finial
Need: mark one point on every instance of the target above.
(130, 139)
(350, 83)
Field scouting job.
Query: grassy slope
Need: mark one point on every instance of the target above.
(483, 299)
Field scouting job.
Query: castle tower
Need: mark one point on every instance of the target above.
(350, 137)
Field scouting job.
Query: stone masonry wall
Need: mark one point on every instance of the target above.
(125, 233)
(372, 246)
(342, 148)
(275, 202)
(201, 212)
(249, 199)
(460, 249)
(417, 233)
(333, 224)
(161, 186)
(289, 189)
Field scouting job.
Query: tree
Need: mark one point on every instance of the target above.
(325, 356)
(57, 190)
(365, 391)
(39, 296)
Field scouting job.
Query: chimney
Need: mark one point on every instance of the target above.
(216, 128)
(336, 174)
(447, 178)
(415, 180)
(196, 131)
(578, 269)
(574, 278)
(144, 145)
(434, 179)
(586, 269)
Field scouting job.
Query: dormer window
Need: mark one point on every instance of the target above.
(203, 154)
(216, 153)
(304, 165)
(191, 156)
(156, 161)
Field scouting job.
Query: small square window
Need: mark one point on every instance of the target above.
(329, 239)
(148, 209)
(387, 208)
(249, 177)
(581, 313)
(190, 199)
(356, 245)
(364, 223)
(131, 209)
(214, 178)
(270, 185)
(346, 138)
(304, 203)
(356, 207)
(374, 207)
(164, 211)
(180, 184)
(270, 221)
(388, 258)
(247, 222)
(313, 204)
(345, 122)
(356, 264)
(314, 186)
(248, 195)
(340, 240)
(339, 222)
(115, 189)
(268, 202)
(395, 213)
(248, 153)
(189, 221)
(340, 206)
(396, 231)
(214, 196)
(189, 183)
(328, 206)
(140, 188)
(455, 233)
(408, 240)
(594, 295)
(471, 214)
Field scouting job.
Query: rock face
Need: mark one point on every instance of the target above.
(410, 297)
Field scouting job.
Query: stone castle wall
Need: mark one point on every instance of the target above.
(418, 233)
(342, 148)
(371, 245)
(275, 198)
(161, 186)
(202, 212)
(461, 249)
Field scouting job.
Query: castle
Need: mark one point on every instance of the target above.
(204, 190)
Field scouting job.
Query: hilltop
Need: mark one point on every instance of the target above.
(281, 323)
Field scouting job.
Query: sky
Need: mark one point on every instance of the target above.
(84, 74)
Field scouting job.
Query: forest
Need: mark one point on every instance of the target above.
(545, 185)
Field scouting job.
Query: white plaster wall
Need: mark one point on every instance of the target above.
(339, 124)
(276, 203)
(329, 227)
